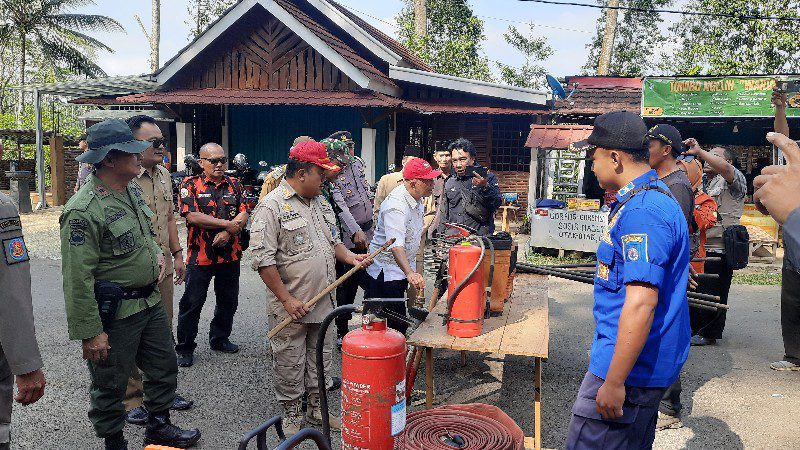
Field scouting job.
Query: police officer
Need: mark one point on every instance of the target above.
(353, 197)
(728, 187)
(156, 188)
(295, 245)
(19, 352)
(639, 295)
(111, 266)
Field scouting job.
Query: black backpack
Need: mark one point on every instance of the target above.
(737, 246)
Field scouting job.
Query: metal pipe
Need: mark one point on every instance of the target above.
(37, 97)
(707, 259)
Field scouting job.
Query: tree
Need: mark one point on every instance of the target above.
(154, 36)
(49, 28)
(453, 42)
(530, 74)
(637, 40)
(733, 46)
(203, 12)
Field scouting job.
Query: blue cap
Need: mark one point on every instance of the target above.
(111, 134)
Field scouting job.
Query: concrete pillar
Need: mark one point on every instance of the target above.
(183, 133)
(368, 138)
(391, 149)
(225, 127)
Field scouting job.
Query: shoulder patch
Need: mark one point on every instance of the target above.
(10, 224)
(101, 191)
(634, 247)
(15, 250)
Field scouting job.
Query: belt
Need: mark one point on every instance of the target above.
(135, 293)
(366, 226)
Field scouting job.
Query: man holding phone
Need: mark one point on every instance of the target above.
(472, 196)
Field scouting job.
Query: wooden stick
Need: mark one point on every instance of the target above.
(331, 287)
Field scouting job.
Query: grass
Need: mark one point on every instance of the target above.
(760, 278)
(570, 258)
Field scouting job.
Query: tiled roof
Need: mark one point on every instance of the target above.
(261, 97)
(556, 136)
(400, 49)
(596, 101)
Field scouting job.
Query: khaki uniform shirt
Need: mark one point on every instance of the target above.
(730, 205)
(272, 181)
(386, 185)
(106, 235)
(156, 187)
(17, 335)
(298, 239)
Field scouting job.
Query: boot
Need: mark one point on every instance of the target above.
(314, 414)
(292, 417)
(161, 431)
(116, 442)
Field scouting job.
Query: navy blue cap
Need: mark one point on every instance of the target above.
(111, 134)
(668, 135)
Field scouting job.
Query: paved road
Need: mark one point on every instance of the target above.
(732, 399)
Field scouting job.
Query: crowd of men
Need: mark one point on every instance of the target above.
(317, 218)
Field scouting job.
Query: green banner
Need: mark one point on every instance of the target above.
(712, 97)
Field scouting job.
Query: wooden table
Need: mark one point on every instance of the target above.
(522, 329)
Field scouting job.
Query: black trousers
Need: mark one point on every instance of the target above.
(226, 290)
(710, 324)
(790, 315)
(379, 288)
(346, 292)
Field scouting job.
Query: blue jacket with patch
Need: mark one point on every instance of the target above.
(647, 242)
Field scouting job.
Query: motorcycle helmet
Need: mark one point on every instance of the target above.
(240, 162)
(192, 164)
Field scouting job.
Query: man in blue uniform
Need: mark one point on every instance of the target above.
(641, 311)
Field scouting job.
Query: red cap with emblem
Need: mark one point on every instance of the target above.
(313, 152)
(418, 168)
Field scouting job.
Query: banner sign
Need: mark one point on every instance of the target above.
(567, 230)
(712, 97)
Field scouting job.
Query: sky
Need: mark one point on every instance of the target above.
(568, 30)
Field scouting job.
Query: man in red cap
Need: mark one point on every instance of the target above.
(400, 217)
(296, 243)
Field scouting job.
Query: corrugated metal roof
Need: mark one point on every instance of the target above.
(212, 96)
(556, 136)
(443, 106)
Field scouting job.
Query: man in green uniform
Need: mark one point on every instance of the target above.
(111, 265)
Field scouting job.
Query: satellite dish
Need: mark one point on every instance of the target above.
(555, 85)
(558, 90)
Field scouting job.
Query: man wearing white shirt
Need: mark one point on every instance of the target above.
(400, 217)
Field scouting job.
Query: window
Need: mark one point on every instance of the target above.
(509, 153)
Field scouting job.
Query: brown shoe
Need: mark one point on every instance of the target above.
(292, 417)
(314, 414)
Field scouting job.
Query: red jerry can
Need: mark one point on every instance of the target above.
(373, 386)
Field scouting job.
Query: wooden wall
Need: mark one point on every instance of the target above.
(263, 54)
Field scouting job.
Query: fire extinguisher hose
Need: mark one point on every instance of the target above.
(323, 391)
(445, 429)
(464, 282)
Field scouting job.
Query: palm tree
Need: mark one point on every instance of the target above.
(53, 31)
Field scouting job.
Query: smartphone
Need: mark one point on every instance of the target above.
(788, 86)
(480, 170)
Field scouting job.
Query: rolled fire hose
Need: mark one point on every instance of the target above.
(453, 427)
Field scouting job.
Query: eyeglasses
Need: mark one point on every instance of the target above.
(156, 143)
(215, 161)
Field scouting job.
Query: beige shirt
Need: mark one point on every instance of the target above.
(386, 185)
(156, 186)
(298, 238)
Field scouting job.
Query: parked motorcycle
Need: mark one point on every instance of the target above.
(241, 170)
(193, 168)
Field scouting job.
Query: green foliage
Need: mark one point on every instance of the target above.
(530, 74)
(722, 45)
(48, 29)
(204, 12)
(453, 42)
(636, 43)
(760, 278)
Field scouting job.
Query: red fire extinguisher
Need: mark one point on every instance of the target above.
(373, 386)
